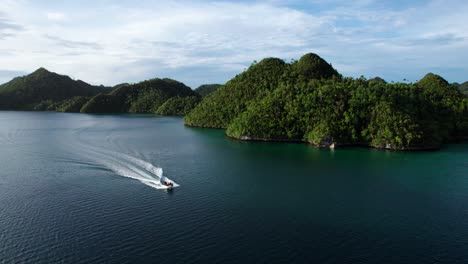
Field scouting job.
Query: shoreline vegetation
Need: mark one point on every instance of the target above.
(309, 101)
(43, 90)
(304, 101)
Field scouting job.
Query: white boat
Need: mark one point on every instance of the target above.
(167, 184)
(162, 184)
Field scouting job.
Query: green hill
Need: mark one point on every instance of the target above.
(178, 106)
(72, 105)
(464, 88)
(433, 81)
(143, 97)
(47, 91)
(207, 89)
(357, 112)
(218, 109)
(312, 67)
(41, 90)
(308, 101)
(378, 80)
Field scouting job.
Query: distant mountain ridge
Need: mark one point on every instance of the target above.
(207, 89)
(464, 88)
(142, 97)
(377, 79)
(42, 88)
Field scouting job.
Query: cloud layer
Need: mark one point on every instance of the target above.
(108, 42)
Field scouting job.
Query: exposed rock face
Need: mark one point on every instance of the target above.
(326, 142)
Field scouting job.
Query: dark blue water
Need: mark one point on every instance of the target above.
(63, 198)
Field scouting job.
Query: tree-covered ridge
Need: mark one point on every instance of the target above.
(377, 79)
(72, 105)
(218, 109)
(207, 89)
(307, 105)
(47, 91)
(41, 90)
(464, 88)
(178, 106)
(143, 97)
(356, 112)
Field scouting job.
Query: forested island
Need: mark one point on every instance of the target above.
(43, 90)
(302, 101)
(309, 101)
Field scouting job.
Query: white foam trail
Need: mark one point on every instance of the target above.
(127, 166)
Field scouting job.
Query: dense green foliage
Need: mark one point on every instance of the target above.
(43, 90)
(303, 101)
(463, 88)
(143, 97)
(46, 91)
(207, 89)
(377, 79)
(311, 66)
(347, 111)
(120, 85)
(310, 103)
(72, 105)
(218, 109)
(178, 106)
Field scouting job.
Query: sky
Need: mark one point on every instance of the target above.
(198, 42)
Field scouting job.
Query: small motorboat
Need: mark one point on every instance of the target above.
(168, 184)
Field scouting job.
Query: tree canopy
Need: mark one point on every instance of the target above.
(309, 101)
(178, 106)
(207, 89)
(42, 89)
(143, 97)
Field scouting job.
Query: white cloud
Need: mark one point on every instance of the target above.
(110, 43)
(55, 16)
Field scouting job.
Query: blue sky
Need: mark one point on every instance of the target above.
(109, 42)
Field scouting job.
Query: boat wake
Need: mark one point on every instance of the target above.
(127, 166)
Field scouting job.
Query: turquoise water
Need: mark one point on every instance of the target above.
(66, 197)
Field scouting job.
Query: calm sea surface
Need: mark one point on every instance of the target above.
(72, 190)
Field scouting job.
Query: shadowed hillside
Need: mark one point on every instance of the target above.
(43, 90)
(207, 89)
(143, 97)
